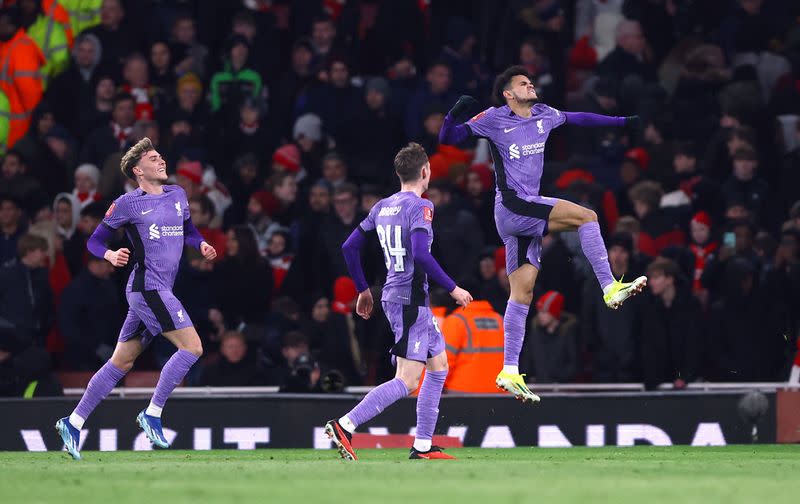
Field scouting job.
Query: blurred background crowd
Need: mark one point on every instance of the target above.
(280, 119)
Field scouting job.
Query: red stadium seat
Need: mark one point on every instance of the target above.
(141, 379)
(75, 379)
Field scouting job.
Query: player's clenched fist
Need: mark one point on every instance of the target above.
(208, 251)
(118, 258)
(364, 304)
(462, 297)
(463, 107)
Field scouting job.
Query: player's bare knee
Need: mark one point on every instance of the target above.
(524, 298)
(411, 382)
(121, 363)
(195, 348)
(442, 369)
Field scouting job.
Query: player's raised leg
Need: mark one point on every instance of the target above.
(521, 279)
(406, 380)
(428, 410)
(189, 350)
(567, 216)
(101, 384)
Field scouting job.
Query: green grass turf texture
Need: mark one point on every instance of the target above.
(763, 474)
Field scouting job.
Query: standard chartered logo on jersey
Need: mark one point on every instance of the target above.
(156, 232)
(515, 151)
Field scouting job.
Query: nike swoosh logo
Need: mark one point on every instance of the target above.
(148, 211)
(508, 130)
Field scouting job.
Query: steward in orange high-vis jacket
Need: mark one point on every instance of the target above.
(474, 345)
(20, 78)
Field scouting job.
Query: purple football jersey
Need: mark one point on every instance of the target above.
(394, 219)
(154, 225)
(517, 145)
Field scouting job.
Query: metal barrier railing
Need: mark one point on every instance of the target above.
(538, 387)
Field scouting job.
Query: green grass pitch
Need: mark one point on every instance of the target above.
(753, 474)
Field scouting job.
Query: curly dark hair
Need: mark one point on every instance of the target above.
(503, 80)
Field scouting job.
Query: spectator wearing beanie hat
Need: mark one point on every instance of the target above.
(444, 158)
(195, 181)
(307, 130)
(344, 295)
(577, 184)
(286, 158)
(190, 177)
(87, 177)
(639, 156)
(552, 349)
(188, 80)
(701, 246)
(549, 307)
(307, 134)
(189, 105)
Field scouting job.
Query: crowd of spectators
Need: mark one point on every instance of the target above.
(280, 120)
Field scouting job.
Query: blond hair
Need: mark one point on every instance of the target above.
(134, 155)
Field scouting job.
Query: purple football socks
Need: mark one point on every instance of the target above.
(595, 251)
(101, 384)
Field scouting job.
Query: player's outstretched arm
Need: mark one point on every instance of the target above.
(453, 132)
(597, 120)
(423, 257)
(351, 249)
(97, 246)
